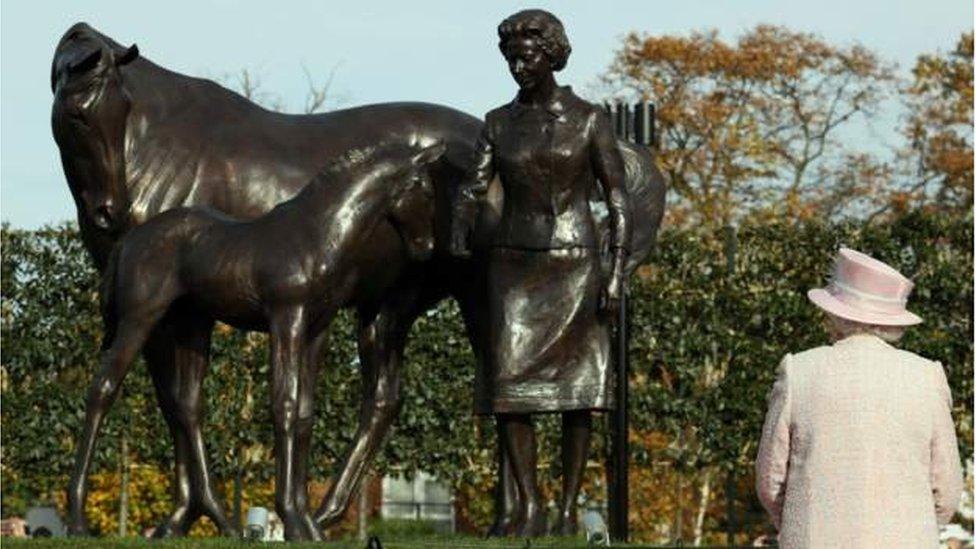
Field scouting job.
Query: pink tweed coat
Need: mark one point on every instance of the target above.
(858, 448)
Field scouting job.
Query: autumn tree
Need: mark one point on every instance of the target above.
(753, 123)
(940, 131)
(318, 96)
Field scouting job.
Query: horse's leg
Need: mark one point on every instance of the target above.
(306, 420)
(129, 337)
(192, 362)
(287, 354)
(164, 369)
(381, 339)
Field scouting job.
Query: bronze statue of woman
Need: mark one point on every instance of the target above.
(549, 342)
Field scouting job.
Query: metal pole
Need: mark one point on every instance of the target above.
(618, 493)
(640, 123)
(640, 126)
(621, 120)
(619, 444)
(651, 125)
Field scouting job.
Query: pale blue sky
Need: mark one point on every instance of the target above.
(437, 51)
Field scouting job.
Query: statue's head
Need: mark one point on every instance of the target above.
(88, 119)
(534, 43)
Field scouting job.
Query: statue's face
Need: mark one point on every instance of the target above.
(527, 62)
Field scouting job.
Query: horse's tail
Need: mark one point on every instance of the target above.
(109, 308)
(646, 189)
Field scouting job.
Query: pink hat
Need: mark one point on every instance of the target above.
(866, 290)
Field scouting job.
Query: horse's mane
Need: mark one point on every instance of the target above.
(353, 161)
(143, 70)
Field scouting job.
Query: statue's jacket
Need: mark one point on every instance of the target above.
(548, 159)
(548, 347)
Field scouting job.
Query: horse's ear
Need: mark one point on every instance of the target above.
(129, 56)
(429, 154)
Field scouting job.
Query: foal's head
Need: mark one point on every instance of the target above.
(412, 207)
(389, 182)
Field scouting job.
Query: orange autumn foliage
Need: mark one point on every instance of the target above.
(940, 128)
(751, 125)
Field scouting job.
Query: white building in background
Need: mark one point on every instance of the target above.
(423, 498)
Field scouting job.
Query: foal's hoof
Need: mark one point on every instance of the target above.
(175, 526)
(212, 510)
(312, 529)
(328, 517)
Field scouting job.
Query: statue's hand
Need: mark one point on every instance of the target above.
(610, 297)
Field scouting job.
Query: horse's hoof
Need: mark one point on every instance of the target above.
(533, 527)
(564, 527)
(295, 528)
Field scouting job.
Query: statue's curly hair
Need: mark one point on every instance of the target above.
(544, 26)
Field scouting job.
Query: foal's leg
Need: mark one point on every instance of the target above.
(177, 354)
(381, 340)
(193, 362)
(129, 337)
(288, 332)
(306, 420)
(160, 355)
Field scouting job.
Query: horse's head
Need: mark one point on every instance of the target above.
(88, 118)
(412, 208)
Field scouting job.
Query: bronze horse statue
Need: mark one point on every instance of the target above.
(286, 273)
(137, 139)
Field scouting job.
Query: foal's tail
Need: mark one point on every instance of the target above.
(110, 313)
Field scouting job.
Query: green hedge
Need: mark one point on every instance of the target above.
(712, 315)
(708, 334)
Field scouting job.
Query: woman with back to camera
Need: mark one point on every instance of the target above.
(549, 342)
(859, 448)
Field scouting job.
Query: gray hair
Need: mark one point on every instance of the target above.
(841, 328)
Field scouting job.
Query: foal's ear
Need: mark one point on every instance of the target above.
(429, 154)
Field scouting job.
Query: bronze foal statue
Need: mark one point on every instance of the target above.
(287, 272)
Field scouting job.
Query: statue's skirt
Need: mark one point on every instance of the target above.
(549, 348)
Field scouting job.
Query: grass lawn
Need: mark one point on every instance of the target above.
(431, 542)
